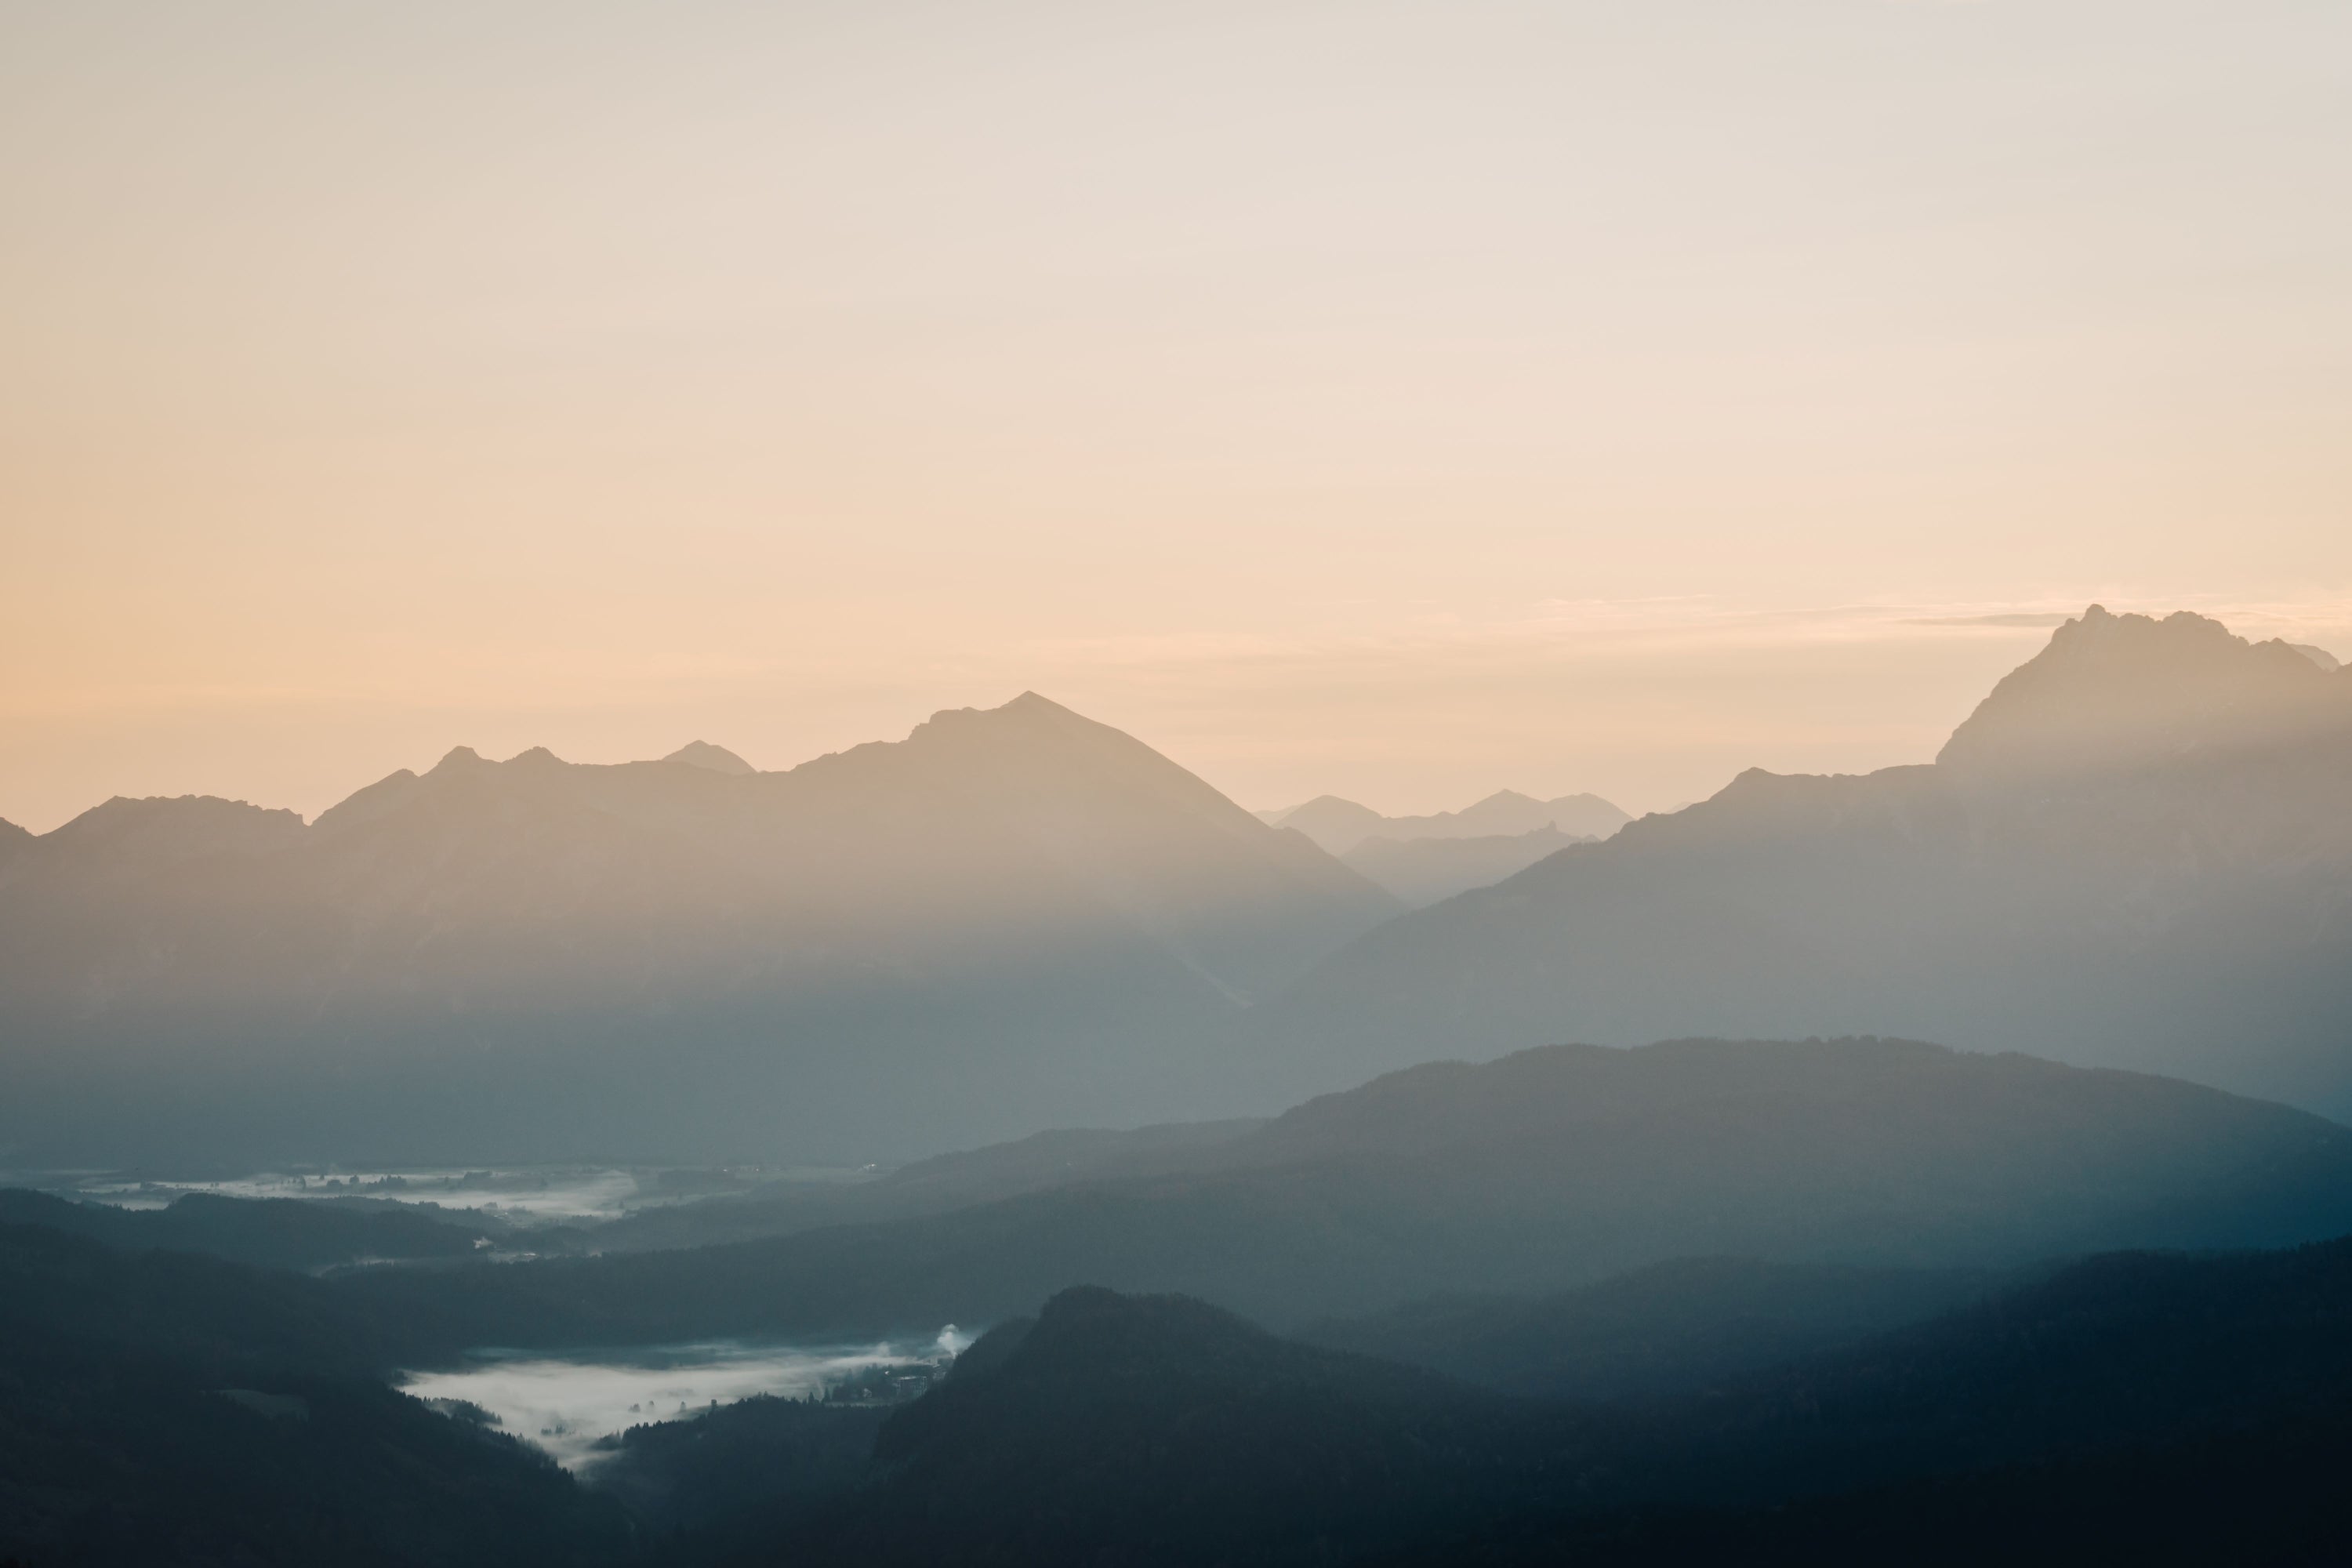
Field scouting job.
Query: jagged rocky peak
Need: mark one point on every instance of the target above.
(2113, 690)
(709, 758)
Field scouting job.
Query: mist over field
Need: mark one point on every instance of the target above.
(1265, 786)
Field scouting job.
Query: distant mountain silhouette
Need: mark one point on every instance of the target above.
(1421, 871)
(1338, 825)
(1543, 1170)
(703, 754)
(2318, 656)
(2124, 691)
(2135, 852)
(1327, 819)
(995, 925)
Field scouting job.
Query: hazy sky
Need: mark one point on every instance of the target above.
(1407, 400)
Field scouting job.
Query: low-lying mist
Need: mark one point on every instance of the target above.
(527, 1194)
(569, 1404)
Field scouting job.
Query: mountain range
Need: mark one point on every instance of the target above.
(1544, 1171)
(999, 923)
(2126, 1409)
(159, 1408)
(2136, 852)
(1422, 859)
(1340, 826)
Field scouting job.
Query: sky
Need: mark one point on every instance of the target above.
(1402, 400)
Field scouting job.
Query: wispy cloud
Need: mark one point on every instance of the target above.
(2009, 619)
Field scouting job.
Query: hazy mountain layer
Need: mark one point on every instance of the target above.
(1340, 825)
(935, 1185)
(1675, 1328)
(273, 1233)
(1420, 871)
(1543, 1170)
(2136, 852)
(998, 925)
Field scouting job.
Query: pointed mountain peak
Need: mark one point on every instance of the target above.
(1587, 815)
(1032, 711)
(2111, 689)
(709, 758)
(536, 757)
(1028, 708)
(1334, 807)
(1030, 703)
(458, 759)
(1027, 720)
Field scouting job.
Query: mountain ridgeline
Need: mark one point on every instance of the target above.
(158, 1408)
(1542, 1172)
(996, 925)
(1422, 859)
(2046, 1425)
(1341, 825)
(1630, 1306)
(2135, 853)
(2132, 854)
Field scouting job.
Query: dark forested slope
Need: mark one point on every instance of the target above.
(1158, 1430)
(1677, 1327)
(268, 1233)
(157, 1408)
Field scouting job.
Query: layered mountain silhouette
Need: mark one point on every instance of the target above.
(1338, 825)
(1546, 1170)
(999, 924)
(158, 1407)
(2136, 852)
(2126, 1409)
(703, 754)
(1423, 871)
(1422, 859)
